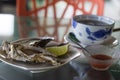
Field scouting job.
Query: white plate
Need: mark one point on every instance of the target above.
(34, 68)
(111, 41)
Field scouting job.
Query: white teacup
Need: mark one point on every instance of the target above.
(92, 29)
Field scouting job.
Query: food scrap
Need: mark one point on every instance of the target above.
(35, 51)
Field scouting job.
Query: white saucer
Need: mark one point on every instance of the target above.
(111, 41)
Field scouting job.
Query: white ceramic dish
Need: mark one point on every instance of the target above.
(34, 68)
(111, 41)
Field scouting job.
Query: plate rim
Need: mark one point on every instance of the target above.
(24, 66)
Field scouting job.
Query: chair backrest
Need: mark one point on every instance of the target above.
(57, 9)
(32, 7)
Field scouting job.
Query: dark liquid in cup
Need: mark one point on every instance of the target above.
(93, 22)
(101, 57)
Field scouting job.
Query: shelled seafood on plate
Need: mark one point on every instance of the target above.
(37, 53)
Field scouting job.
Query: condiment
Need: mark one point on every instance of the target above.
(102, 58)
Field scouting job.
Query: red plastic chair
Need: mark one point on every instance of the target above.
(23, 9)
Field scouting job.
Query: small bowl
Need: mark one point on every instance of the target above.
(102, 57)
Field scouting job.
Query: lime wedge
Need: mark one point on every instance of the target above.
(58, 50)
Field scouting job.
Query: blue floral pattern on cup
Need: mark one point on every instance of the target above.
(74, 24)
(97, 34)
(92, 34)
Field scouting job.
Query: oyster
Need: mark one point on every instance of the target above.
(30, 51)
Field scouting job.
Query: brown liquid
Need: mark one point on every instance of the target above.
(93, 22)
(101, 65)
(101, 57)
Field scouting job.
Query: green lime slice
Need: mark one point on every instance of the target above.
(58, 50)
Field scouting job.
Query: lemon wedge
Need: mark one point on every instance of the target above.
(58, 50)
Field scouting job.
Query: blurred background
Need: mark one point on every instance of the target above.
(111, 9)
(8, 6)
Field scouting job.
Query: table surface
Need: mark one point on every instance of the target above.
(74, 70)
